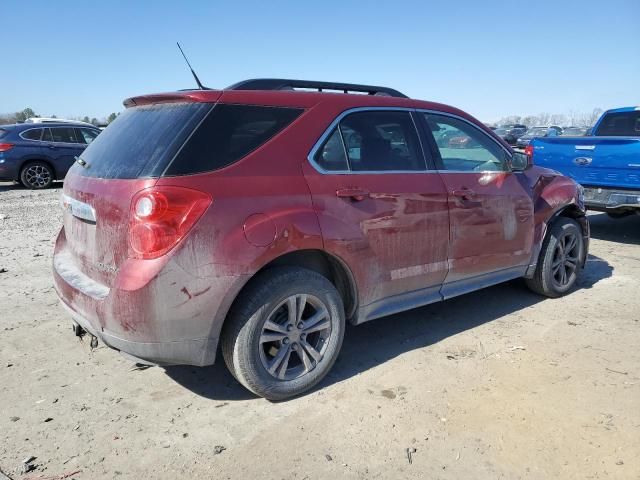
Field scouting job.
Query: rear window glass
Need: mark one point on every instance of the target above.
(141, 141)
(229, 133)
(621, 124)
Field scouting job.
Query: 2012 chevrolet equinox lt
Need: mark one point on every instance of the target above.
(260, 218)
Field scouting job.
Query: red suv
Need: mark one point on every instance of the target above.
(260, 218)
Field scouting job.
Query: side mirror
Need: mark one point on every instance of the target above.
(520, 162)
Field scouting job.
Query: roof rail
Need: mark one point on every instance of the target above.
(289, 84)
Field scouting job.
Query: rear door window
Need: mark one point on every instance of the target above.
(33, 134)
(64, 134)
(46, 135)
(620, 124)
(373, 141)
(228, 134)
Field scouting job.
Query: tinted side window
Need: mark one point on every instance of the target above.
(332, 156)
(463, 147)
(382, 141)
(622, 124)
(64, 134)
(33, 134)
(229, 133)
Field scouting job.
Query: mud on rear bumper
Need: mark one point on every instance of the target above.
(198, 352)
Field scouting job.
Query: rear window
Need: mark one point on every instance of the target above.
(621, 124)
(141, 141)
(229, 133)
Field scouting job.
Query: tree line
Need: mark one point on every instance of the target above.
(22, 115)
(571, 119)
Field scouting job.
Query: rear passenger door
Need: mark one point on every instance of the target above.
(62, 146)
(491, 208)
(381, 209)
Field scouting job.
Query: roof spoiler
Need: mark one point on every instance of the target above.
(290, 84)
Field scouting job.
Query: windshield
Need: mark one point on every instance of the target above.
(537, 131)
(501, 131)
(141, 141)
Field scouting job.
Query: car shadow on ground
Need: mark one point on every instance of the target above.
(9, 186)
(373, 343)
(622, 230)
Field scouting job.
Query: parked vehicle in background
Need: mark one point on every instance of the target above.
(606, 164)
(575, 131)
(56, 120)
(511, 133)
(535, 132)
(262, 218)
(36, 154)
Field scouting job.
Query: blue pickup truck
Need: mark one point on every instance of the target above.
(606, 164)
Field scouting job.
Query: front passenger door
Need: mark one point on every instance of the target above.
(490, 207)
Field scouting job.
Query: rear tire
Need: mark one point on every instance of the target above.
(560, 259)
(36, 175)
(284, 332)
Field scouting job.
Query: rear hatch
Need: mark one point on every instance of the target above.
(598, 161)
(126, 157)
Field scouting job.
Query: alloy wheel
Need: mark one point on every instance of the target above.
(37, 176)
(565, 260)
(295, 336)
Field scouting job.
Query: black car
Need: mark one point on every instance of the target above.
(37, 154)
(511, 133)
(533, 132)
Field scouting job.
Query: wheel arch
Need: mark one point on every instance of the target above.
(329, 266)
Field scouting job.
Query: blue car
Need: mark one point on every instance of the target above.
(36, 154)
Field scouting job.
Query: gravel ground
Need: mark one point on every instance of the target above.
(495, 384)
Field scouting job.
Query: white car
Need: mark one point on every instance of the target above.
(58, 120)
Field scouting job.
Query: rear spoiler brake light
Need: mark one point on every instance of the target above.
(174, 97)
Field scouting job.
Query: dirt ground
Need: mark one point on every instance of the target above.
(496, 384)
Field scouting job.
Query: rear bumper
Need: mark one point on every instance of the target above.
(171, 316)
(605, 198)
(199, 352)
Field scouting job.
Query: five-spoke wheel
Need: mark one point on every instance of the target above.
(560, 259)
(284, 332)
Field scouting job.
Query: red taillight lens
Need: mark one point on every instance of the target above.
(5, 147)
(529, 151)
(162, 216)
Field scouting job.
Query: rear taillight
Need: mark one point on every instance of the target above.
(162, 216)
(529, 151)
(5, 147)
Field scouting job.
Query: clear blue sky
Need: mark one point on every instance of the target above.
(490, 58)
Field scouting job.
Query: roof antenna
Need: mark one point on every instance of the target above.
(200, 86)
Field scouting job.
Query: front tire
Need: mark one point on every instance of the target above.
(284, 332)
(560, 259)
(36, 175)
